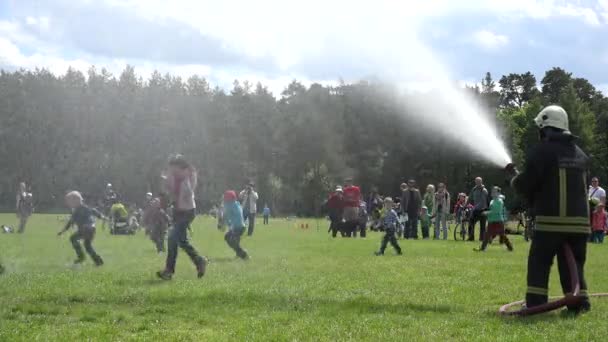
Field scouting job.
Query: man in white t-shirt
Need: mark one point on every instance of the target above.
(249, 200)
(596, 193)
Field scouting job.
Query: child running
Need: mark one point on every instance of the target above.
(599, 223)
(84, 219)
(496, 222)
(390, 221)
(233, 216)
(157, 222)
(180, 183)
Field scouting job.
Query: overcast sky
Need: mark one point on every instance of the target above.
(411, 42)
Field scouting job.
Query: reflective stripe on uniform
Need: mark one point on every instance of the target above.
(563, 220)
(537, 291)
(563, 192)
(562, 228)
(563, 224)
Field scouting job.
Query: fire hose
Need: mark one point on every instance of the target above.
(569, 299)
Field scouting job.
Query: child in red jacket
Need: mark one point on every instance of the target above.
(599, 224)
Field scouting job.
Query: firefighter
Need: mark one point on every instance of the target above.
(554, 184)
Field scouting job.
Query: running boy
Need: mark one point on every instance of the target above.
(233, 215)
(83, 218)
(390, 221)
(496, 222)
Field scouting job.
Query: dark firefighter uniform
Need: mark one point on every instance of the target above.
(554, 184)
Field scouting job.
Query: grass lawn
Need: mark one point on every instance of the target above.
(300, 285)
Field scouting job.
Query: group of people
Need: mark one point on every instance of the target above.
(414, 210)
(553, 184)
(174, 207)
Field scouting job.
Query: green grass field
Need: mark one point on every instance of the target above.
(300, 285)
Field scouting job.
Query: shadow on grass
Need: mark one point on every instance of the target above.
(257, 301)
(551, 316)
(222, 260)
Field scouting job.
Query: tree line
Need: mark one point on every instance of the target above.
(79, 131)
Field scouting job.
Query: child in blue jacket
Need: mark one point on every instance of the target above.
(233, 217)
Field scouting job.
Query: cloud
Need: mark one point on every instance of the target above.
(489, 40)
(277, 41)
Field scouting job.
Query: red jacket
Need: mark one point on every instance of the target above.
(352, 196)
(598, 220)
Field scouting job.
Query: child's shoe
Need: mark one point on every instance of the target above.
(201, 267)
(78, 261)
(399, 253)
(378, 253)
(164, 275)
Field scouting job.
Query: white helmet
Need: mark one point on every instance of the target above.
(553, 116)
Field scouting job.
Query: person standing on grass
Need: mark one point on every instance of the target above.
(249, 198)
(553, 182)
(266, 213)
(390, 220)
(428, 201)
(411, 201)
(352, 199)
(596, 196)
(479, 198)
(181, 182)
(599, 224)
(335, 207)
(84, 219)
(157, 223)
(25, 206)
(236, 226)
(441, 211)
(496, 219)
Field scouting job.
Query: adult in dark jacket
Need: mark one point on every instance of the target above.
(480, 199)
(554, 185)
(411, 202)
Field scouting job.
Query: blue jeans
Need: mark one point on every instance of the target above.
(441, 222)
(597, 236)
(250, 218)
(178, 236)
(411, 227)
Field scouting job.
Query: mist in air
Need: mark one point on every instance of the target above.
(385, 40)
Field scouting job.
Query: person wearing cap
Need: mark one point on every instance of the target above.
(249, 198)
(233, 216)
(335, 206)
(352, 199)
(553, 183)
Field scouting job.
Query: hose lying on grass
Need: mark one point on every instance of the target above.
(569, 299)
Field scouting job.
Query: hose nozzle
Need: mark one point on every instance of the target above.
(511, 170)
